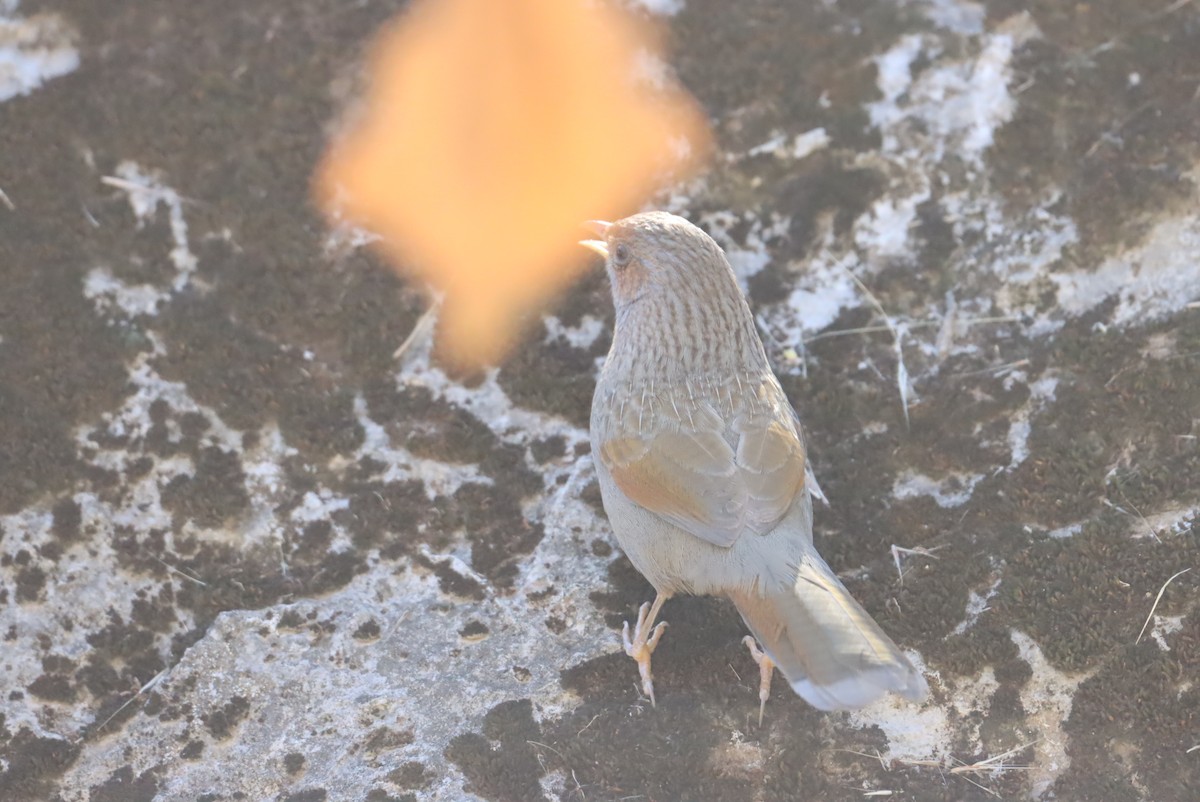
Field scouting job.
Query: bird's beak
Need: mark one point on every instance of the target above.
(600, 229)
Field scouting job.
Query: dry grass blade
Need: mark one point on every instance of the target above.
(545, 746)
(902, 372)
(825, 335)
(915, 324)
(422, 331)
(121, 183)
(898, 553)
(182, 573)
(1171, 9)
(876, 756)
(1157, 599)
(983, 788)
(157, 678)
(1112, 475)
(147, 189)
(585, 726)
(991, 765)
(996, 370)
(994, 763)
(897, 336)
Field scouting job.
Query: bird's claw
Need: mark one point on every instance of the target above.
(766, 667)
(642, 645)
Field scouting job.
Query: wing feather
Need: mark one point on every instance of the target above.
(713, 464)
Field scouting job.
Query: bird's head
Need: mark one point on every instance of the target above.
(660, 256)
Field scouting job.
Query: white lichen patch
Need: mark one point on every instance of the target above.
(343, 237)
(977, 605)
(823, 287)
(960, 16)
(133, 420)
(1022, 250)
(953, 490)
(318, 505)
(884, 231)
(738, 758)
(1047, 699)
(809, 142)
(89, 586)
(783, 146)
(1070, 530)
(749, 258)
(420, 676)
(1167, 523)
(33, 50)
(930, 732)
(146, 192)
(142, 508)
(1041, 393)
(936, 124)
(955, 105)
(439, 478)
(113, 297)
(946, 113)
(1163, 626)
(663, 8)
(1151, 280)
(582, 335)
(487, 401)
(67, 613)
(519, 656)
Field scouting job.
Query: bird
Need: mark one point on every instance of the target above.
(704, 474)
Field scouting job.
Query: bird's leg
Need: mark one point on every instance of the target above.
(645, 638)
(766, 666)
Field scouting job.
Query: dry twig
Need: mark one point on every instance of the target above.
(1157, 599)
(899, 551)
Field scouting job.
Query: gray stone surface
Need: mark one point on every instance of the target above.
(247, 553)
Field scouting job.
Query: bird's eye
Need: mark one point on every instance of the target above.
(621, 255)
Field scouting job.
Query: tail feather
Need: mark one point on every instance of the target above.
(832, 652)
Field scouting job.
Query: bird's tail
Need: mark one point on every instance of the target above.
(831, 651)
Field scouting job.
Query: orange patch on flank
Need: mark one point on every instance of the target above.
(492, 129)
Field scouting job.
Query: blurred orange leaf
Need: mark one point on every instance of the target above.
(492, 130)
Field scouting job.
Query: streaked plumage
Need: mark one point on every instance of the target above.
(702, 468)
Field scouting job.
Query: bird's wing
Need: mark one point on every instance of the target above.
(715, 460)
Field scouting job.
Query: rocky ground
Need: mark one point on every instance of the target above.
(248, 553)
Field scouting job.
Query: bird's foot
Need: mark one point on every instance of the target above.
(642, 644)
(766, 667)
